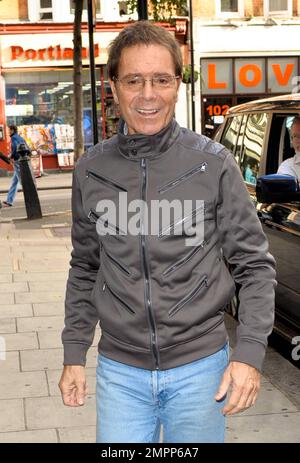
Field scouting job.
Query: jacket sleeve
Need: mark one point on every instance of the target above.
(80, 315)
(245, 248)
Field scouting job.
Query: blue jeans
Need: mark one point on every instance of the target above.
(132, 403)
(14, 183)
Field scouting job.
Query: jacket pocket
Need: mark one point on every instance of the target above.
(105, 180)
(173, 267)
(117, 262)
(183, 177)
(118, 298)
(189, 297)
(186, 221)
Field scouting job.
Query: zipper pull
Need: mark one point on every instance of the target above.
(104, 286)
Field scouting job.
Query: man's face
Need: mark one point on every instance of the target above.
(295, 136)
(150, 109)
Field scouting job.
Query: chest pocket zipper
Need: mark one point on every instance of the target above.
(201, 168)
(124, 304)
(179, 305)
(106, 181)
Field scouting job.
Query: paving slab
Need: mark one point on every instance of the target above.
(18, 385)
(12, 415)
(10, 364)
(39, 323)
(47, 286)
(278, 428)
(8, 325)
(9, 309)
(21, 341)
(82, 435)
(47, 436)
(6, 278)
(13, 287)
(48, 308)
(38, 416)
(6, 298)
(41, 276)
(39, 297)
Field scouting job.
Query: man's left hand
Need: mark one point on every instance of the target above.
(245, 383)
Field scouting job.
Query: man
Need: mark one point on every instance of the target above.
(291, 166)
(16, 139)
(163, 353)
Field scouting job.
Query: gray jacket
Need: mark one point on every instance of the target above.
(161, 303)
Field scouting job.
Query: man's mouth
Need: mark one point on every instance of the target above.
(147, 112)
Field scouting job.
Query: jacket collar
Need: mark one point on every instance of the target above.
(139, 146)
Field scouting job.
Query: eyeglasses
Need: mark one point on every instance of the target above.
(137, 83)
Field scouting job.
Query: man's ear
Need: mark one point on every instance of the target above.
(114, 90)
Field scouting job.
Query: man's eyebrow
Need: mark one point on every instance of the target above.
(137, 74)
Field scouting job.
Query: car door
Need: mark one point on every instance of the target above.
(281, 223)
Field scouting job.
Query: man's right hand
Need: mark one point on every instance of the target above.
(73, 385)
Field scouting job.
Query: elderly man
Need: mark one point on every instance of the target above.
(291, 166)
(160, 295)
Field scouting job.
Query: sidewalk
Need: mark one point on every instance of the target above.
(33, 273)
(51, 181)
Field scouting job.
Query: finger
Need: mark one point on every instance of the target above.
(241, 404)
(80, 392)
(234, 399)
(224, 386)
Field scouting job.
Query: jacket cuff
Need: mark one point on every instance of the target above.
(252, 353)
(75, 354)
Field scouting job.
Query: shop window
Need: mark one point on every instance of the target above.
(230, 8)
(278, 7)
(41, 102)
(214, 109)
(46, 9)
(252, 146)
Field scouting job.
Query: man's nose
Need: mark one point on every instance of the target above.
(148, 90)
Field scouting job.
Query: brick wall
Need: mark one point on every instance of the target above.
(204, 8)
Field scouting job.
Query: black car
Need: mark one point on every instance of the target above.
(258, 135)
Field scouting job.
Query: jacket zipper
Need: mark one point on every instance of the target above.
(145, 266)
(94, 217)
(105, 180)
(188, 298)
(183, 260)
(168, 186)
(171, 228)
(116, 262)
(124, 304)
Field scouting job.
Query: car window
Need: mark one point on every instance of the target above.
(280, 146)
(252, 146)
(231, 132)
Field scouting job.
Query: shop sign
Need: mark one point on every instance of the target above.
(246, 76)
(50, 53)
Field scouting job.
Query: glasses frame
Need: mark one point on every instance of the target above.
(116, 79)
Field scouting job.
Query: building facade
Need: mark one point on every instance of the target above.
(36, 81)
(245, 49)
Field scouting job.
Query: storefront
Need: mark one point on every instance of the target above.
(231, 81)
(242, 60)
(36, 89)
